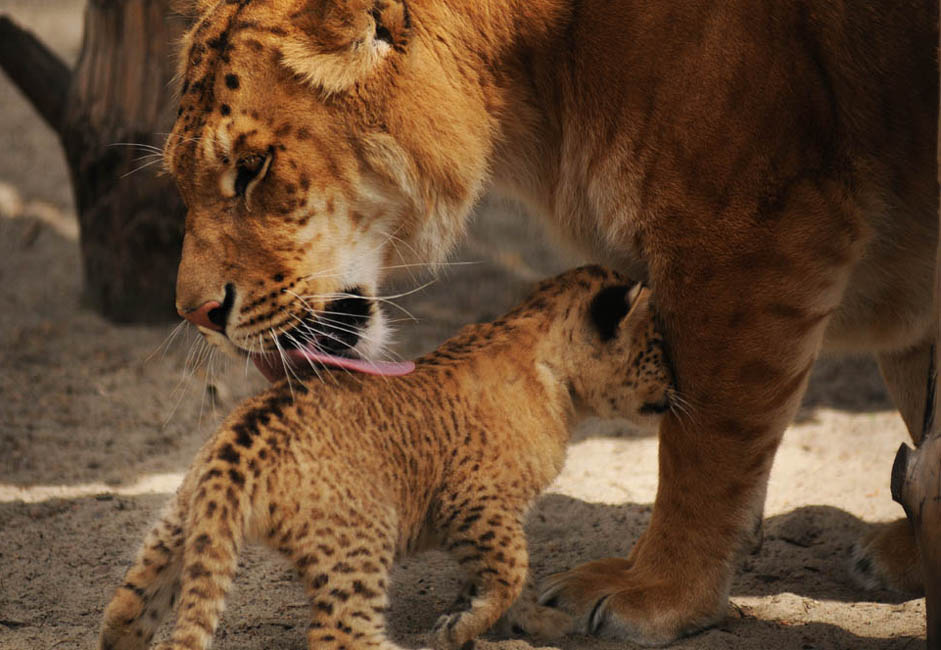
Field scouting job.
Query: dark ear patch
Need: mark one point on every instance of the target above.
(608, 308)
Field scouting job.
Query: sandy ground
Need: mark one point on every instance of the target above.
(97, 422)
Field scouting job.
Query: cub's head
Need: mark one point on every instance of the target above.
(602, 338)
(319, 145)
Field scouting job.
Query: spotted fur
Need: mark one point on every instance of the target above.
(352, 471)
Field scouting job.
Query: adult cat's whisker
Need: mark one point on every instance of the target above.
(167, 341)
(338, 325)
(327, 273)
(303, 344)
(317, 315)
(384, 299)
(284, 362)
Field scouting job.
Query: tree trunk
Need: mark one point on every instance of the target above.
(118, 96)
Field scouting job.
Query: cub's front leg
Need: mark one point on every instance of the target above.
(488, 541)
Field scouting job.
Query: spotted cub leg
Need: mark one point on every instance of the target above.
(489, 543)
(219, 513)
(344, 562)
(150, 587)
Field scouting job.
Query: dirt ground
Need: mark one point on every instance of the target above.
(98, 422)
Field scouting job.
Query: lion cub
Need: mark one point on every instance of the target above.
(353, 470)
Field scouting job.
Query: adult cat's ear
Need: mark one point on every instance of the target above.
(340, 42)
(610, 306)
(191, 9)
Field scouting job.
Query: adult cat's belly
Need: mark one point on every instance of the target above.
(889, 302)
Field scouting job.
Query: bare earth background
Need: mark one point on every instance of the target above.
(98, 422)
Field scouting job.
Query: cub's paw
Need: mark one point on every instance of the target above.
(444, 632)
(607, 599)
(887, 557)
(537, 621)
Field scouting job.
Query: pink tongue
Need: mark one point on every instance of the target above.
(273, 368)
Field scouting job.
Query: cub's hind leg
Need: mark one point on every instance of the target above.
(151, 586)
(344, 561)
(215, 525)
(489, 543)
(887, 556)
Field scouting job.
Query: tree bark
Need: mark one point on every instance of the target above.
(116, 103)
(37, 71)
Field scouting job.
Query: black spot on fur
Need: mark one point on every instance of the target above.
(467, 523)
(198, 570)
(132, 587)
(232, 81)
(608, 308)
(363, 590)
(228, 454)
(245, 432)
(237, 477)
(595, 271)
(340, 594)
(225, 109)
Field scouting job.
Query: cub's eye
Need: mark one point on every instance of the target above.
(248, 170)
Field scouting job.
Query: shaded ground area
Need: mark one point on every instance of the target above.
(97, 423)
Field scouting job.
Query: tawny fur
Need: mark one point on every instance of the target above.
(343, 474)
(769, 168)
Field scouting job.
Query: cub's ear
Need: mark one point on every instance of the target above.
(339, 42)
(610, 306)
